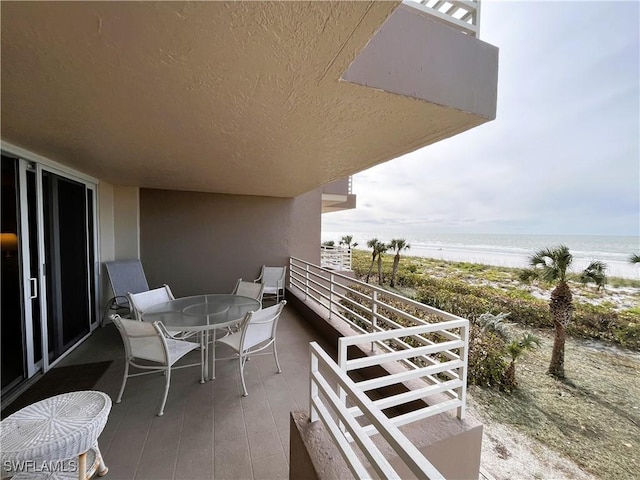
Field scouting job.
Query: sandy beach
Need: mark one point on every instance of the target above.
(616, 268)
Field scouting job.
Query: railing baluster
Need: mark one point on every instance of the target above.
(374, 313)
(313, 387)
(462, 372)
(331, 292)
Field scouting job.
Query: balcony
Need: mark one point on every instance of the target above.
(210, 430)
(335, 258)
(338, 195)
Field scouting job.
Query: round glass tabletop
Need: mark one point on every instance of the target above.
(201, 312)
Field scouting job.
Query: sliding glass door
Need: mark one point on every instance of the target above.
(49, 293)
(66, 255)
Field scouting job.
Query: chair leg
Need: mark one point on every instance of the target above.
(166, 392)
(275, 355)
(124, 381)
(241, 365)
(103, 320)
(203, 356)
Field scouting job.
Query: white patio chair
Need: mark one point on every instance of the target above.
(142, 301)
(249, 289)
(273, 280)
(149, 342)
(257, 333)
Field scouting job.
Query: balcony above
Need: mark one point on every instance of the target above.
(338, 196)
(249, 98)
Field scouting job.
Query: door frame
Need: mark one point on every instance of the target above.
(37, 286)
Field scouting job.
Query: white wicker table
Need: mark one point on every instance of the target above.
(56, 438)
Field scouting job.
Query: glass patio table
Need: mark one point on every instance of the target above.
(203, 314)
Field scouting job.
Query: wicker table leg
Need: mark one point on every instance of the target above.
(82, 466)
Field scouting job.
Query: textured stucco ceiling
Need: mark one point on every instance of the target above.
(239, 97)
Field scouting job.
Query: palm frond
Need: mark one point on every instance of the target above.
(634, 258)
(346, 240)
(596, 272)
(399, 244)
(529, 341)
(494, 323)
(551, 264)
(527, 275)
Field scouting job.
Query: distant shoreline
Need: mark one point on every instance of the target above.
(499, 259)
(512, 251)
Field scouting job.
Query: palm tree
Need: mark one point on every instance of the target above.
(348, 241)
(551, 265)
(373, 244)
(397, 244)
(382, 248)
(596, 273)
(514, 350)
(634, 258)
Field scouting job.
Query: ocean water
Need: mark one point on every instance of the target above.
(514, 250)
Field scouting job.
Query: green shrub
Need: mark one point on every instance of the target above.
(486, 363)
(455, 295)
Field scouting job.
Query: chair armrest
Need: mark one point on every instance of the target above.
(163, 329)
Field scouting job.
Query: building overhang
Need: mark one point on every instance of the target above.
(250, 98)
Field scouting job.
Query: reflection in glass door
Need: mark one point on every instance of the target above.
(14, 369)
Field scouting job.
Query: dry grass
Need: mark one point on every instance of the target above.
(592, 418)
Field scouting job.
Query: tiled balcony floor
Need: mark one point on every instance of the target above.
(208, 430)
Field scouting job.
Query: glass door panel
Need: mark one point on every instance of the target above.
(67, 262)
(11, 324)
(48, 275)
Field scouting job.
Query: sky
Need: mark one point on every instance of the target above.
(563, 154)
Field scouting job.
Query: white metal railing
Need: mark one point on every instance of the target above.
(335, 258)
(326, 404)
(462, 15)
(414, 341)
(441, 367)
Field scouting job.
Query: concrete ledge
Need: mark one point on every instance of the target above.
(313, 455)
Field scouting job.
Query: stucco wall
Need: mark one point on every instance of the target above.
(126, 222)
(203, 242)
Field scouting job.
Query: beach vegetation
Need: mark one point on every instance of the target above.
(551, 266)
(493, 352)
(634, 258)
(373, 245)
(398, 245)
(596, 272)
(486, 364)
(442, 285)
(591, 418)
(329, 243)
(514, 350)
(382, 249)
(348, 242)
